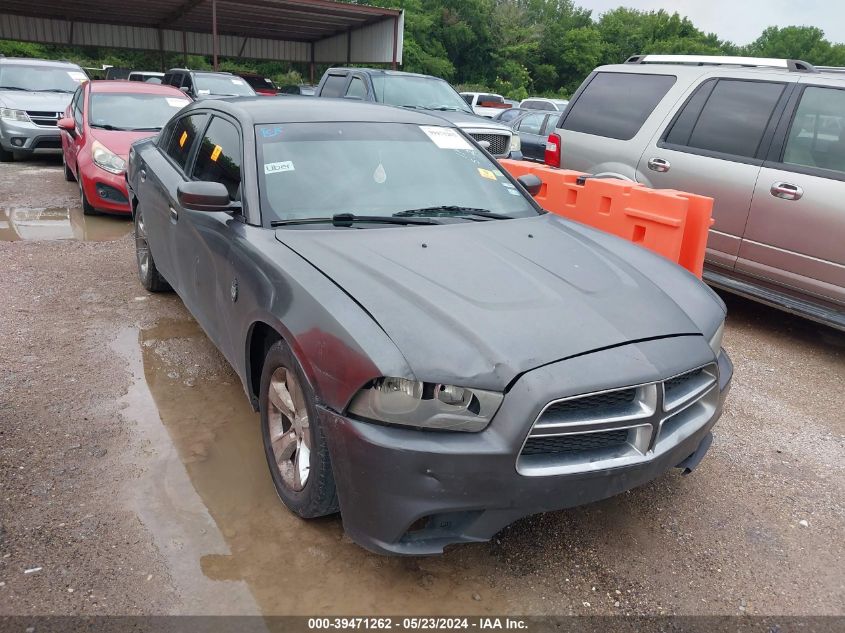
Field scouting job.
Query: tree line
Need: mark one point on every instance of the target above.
(513, 47)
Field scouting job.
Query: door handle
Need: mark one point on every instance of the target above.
(787, 191)
(174, 214)
(658, 164)
(143, 175)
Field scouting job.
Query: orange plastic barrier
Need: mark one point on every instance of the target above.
(671, 223)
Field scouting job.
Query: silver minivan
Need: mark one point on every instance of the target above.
(765, 138)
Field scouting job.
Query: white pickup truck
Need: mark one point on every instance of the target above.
(485, 104)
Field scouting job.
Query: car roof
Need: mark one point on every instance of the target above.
(689, 71)
(380, 71)
(37, 62)
(296, 109)
(123, 86)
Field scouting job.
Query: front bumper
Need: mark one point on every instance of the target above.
(29, 138)
(104, 190)
(405, 491)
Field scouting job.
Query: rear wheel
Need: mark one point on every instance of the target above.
(294, 444)
(148, 274)
(6, 156)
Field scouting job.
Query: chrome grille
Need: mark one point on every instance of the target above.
(44, 119)
(498, 143)
(619, 427)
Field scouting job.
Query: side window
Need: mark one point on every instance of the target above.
(219, 156)
(333, 86)
(817, 135)
(186, 81)
(184, 135)
(532, 124)
(551, 124)
(731, 119)
(616, 105)
(468, 99)
(77, 107)
(357, 88)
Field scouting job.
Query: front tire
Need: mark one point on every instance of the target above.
(148, 274)
(68, 173)
(87, 208)
(294, 444)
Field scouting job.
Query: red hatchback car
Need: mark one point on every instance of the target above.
(103, 119)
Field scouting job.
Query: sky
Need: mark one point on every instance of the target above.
(742, 21)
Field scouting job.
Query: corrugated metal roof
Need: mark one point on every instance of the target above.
(268, 29)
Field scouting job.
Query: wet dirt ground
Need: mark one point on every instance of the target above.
(132, 477)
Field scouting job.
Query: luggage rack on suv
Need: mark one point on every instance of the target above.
(792, 65)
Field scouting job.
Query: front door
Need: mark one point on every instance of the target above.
(796, 229)
(202, 239)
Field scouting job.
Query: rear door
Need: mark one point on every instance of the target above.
(714, 146)
(530, 129)
(795, 235)
(162, 174)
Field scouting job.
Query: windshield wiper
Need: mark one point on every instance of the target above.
(108, 126)
(348, 219)
(452, 210)
(145, 129)
(54, 90)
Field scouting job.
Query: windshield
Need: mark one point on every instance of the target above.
(40, 78)
(419, 92)
(133, 111)
(208, 84)
(317, 170)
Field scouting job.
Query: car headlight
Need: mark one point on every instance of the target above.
(10, 114)
(516, 143)
(425, 405)
(716, 339)
(107, 159)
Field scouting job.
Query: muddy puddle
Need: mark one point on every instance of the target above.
(209, 501)
(60, 223)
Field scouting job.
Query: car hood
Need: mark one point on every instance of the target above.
(465, 120)
(118, 141)
(35, 101)
(477, 304)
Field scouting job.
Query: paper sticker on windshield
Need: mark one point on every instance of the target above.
(203, 92)
(238, 82)
(183, 138)
(215, 154)
(486, 173)
(275, 168)
(508, 185)
(176, 102)
(445, 137)
(77, 76)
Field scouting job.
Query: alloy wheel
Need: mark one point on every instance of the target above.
(142, 248)
(290, 433)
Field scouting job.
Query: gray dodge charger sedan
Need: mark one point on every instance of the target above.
(432, 354)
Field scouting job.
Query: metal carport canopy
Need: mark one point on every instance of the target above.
(315, 31)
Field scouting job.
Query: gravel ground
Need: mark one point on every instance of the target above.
(132, 479)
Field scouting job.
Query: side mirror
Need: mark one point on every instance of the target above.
(531, 183)
(185, 89)
(204, 196)
(68, 125)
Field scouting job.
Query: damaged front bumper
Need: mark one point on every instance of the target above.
(405, 491)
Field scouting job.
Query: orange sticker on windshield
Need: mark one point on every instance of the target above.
(486, 173)
(216, 153)
(183, 138)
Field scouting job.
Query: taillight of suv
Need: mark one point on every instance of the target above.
(552, 157)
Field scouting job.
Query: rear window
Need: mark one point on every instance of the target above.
(616, 105)
(334, 86)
